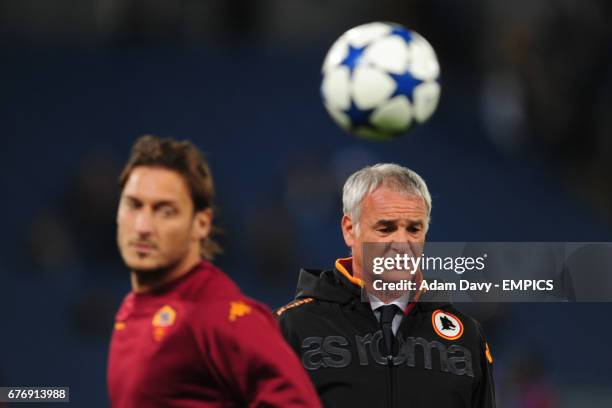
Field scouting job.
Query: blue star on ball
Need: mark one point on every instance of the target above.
(405, 84)
(353, 57)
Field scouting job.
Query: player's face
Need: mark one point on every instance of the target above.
(386, 217)
(156, 224)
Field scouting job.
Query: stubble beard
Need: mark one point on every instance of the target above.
(147, 276)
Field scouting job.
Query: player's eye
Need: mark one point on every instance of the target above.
(167, 211)
(131, 203)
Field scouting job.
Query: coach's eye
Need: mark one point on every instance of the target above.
(386, 230)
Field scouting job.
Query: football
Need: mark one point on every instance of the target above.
(380, 80)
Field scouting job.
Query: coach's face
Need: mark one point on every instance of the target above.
(156, 224)
(386, 217)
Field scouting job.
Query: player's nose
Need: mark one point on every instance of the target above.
(143, 222)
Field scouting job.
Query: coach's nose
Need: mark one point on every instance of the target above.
(405, 243)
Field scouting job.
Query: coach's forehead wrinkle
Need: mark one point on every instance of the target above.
(393, 205)
(404, 220)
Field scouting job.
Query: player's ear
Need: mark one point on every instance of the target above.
(348, 230)
(202, 224)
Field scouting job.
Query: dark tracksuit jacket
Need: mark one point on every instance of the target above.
(440, 357)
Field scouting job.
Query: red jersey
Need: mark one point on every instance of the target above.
(199, 342)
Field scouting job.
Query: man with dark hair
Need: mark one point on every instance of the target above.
(365, 347)
(186, 336)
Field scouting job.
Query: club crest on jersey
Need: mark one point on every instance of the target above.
(446, 325)
(163, 319)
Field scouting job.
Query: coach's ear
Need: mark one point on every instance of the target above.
(348, 230)
(202, 224)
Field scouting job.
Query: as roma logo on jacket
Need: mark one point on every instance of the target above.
(446, 325)
(163, 319)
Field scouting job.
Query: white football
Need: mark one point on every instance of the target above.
(380, 80)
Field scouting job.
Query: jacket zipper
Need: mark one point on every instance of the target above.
(391, 397)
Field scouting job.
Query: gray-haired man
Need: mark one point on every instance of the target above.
(386, 348)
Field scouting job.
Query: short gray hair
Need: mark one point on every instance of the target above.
(390, 175)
